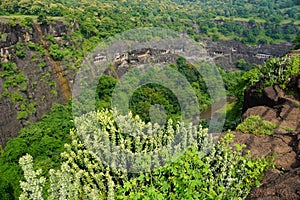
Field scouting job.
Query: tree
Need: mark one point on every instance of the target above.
(42, 18)
(296, 42)
(242, 64)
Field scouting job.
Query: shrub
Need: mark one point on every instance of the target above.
(221, 174)
(20, 50)
(27, 21)
(42, 64)
(31, 45)
(257, 126)
(279, 71)
(56, 53)
(9, 66)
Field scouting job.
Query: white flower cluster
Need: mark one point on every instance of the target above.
(33, 186)
(100, 154)
(129, 144)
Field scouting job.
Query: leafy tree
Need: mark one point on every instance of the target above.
(297, 42)
(242, 64)
(42, 18)
(104, 91)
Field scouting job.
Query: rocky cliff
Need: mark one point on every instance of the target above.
(31, 79)
(35, 73)
(227, 53)
(282, 108)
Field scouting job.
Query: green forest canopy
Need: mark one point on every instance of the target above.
(268, 21)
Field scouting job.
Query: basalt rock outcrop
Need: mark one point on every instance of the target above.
(275, 105)
(226, 53)
(282, 108)
(278, 186)
(43, 86)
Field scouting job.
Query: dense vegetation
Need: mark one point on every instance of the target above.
(223, 173)
(100, 168)
(275, 71)
(45, 140)
(267, 21)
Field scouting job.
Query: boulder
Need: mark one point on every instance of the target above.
(283, 147)
(270, 96)
(280, 187)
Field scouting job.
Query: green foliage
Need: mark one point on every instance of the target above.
(243, 65)
(101, 19)
(201, 19)
(279, 71)
(222, 173)
(56, 52)
(36, 47)
(247, 79)
(20, 50)
(145, 98)
(42, 64)
(12, 77)
(297, 42)
(26, 110)
(12, 22)
(9, 68)
(42, 18)
(233, 116)
(27, 21)
(15, 84)
(257, 126)
(31, 45)
(276, 71)
(50, 38)
(43, 140)
(152, 94)
(6, 190)
(104, 91)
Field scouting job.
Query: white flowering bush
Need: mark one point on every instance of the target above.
(175, 161)
(33, 186)
(222, 174)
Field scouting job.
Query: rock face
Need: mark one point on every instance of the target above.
(144, 56)
(226, 53)
(270, 96)
(276, 106)
(278, 186)
(283, 146)
(42, 87)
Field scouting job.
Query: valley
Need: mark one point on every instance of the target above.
(248, 48)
